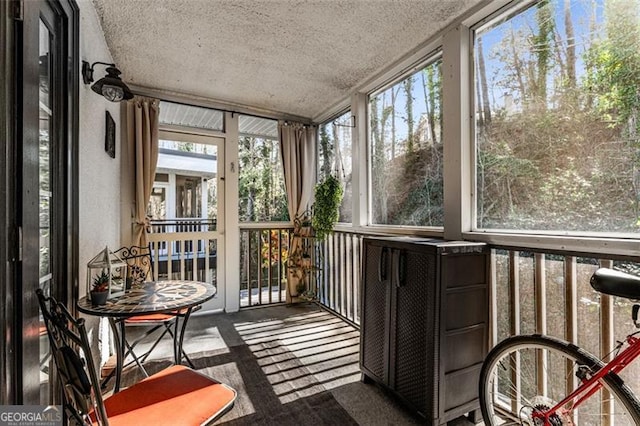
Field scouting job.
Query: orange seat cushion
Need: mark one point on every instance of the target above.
(156, 317)
(150, 318)
(177, 395)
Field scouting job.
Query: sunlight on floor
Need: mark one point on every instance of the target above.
(305, 354)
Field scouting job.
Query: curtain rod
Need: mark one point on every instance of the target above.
(289, 123)
(192, 100)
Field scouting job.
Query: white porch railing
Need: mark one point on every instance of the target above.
(183, 225)
(184, 255)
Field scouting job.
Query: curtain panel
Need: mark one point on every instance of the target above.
(298, 149)
(142, 131)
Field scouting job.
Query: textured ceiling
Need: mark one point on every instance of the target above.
(296, 57)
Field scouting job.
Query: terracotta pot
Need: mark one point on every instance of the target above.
(99, 297)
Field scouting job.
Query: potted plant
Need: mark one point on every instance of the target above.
(327, 198)
(100, 289)
(316, 223)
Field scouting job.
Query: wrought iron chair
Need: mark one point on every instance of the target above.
(140, 267)
(176, 395)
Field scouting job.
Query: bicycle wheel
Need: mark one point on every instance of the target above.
(523, 374)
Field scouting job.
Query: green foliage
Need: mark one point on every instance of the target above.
(542, 43)
(568, 159)
(261, 182)
(328, 196)
(101, 282)
(327, 152)
(615, 67)
(408, 88)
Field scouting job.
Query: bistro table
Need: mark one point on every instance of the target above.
(152, 297)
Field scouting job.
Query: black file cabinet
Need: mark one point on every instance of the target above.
(425, 322)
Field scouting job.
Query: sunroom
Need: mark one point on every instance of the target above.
(500, 134)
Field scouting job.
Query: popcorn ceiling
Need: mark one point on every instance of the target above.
(291, 56)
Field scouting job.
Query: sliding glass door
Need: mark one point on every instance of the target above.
(41, 187)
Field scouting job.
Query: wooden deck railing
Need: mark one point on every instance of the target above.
(263, 256)
(264, 252)
(549, 293)
(339, 285)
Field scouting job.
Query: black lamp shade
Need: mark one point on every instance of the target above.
(112, 87)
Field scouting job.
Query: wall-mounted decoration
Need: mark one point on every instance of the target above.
(110, 136)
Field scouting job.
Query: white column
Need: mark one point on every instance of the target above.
(456, 95)
(359, 160)
(231, 231)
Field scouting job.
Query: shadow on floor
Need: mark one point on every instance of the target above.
(291, 365)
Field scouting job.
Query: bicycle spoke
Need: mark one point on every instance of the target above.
(530, 376)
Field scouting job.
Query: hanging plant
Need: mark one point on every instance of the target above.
(328, 196)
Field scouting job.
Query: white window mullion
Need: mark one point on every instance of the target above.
(458, 165)
(359, 160)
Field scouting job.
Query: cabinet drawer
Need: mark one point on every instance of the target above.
(464, 348)
(463, 271)
(461, 387)
(465, 308)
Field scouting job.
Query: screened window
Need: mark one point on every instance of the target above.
(334, 158)
(557, 117)
(261, 178)
(406, 150)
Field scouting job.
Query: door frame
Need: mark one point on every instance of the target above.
(19, 246)
(219, 140)
(8, 111)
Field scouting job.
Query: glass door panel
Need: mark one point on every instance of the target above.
(186, 209)
(44, 167)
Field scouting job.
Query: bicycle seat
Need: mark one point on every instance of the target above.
(616, 283)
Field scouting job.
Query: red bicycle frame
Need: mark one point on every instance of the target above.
(593, 384)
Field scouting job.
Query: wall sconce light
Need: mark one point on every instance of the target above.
(110, 86)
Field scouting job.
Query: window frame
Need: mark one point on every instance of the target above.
(434, 54)
(456, 44)
(591, 242)
(331, 122)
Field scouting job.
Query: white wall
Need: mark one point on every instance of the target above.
(99, 185)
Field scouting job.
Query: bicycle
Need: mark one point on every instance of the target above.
(538, 380)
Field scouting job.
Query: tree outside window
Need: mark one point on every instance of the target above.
(557, 118)
(261, 177)
(406, 150)
(334, 158)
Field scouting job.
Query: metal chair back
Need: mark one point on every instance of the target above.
(68, 338)
(139, 263)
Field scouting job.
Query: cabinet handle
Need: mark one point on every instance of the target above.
(400, 268)
(382, 266)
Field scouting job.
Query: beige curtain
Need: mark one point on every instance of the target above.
(142, 132)
(298, 149)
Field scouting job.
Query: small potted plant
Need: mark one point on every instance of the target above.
(100, 289)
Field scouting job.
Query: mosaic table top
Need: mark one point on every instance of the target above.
(152, 297)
